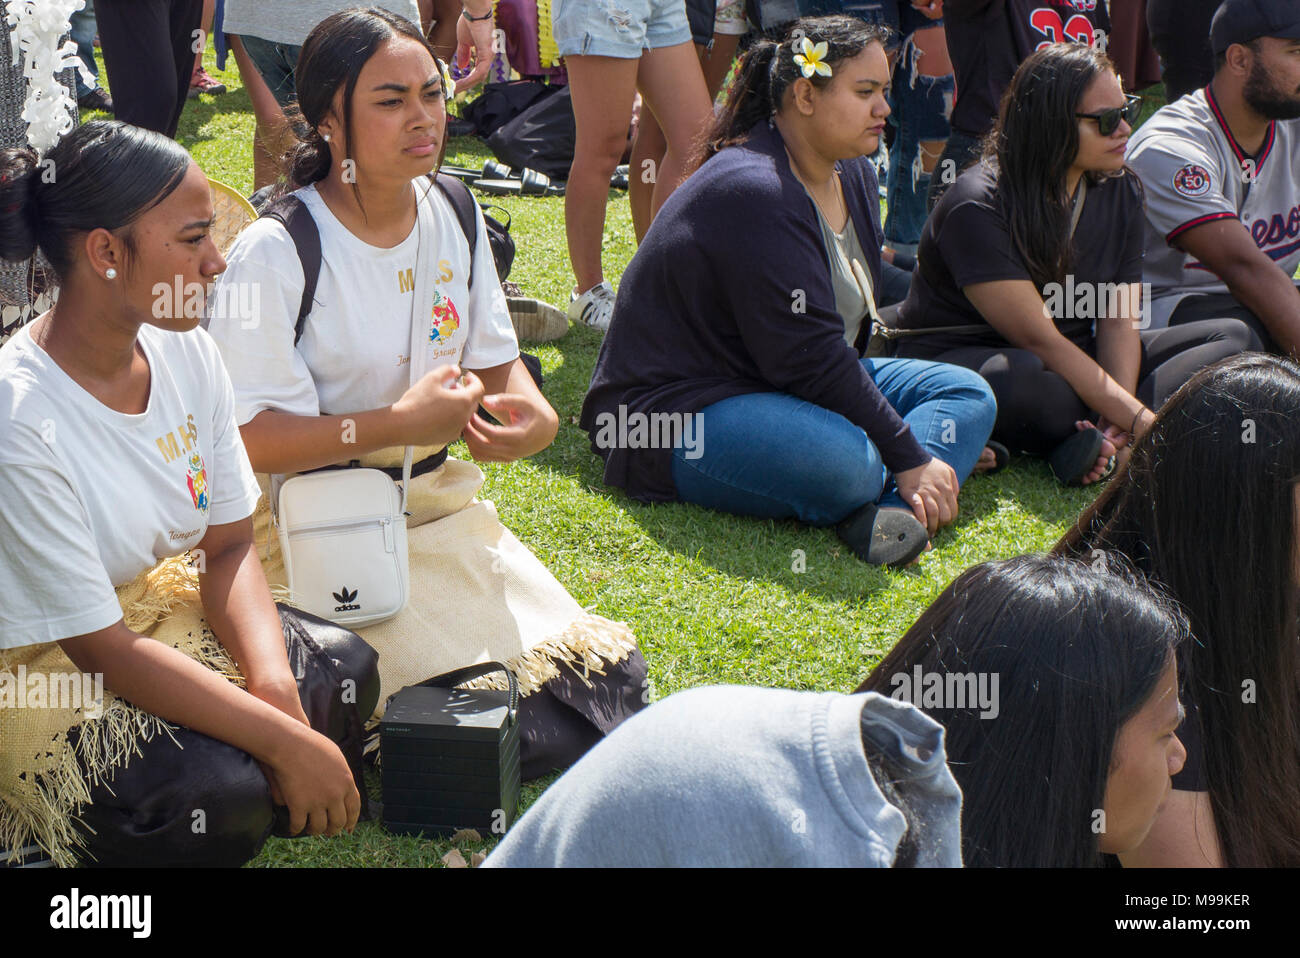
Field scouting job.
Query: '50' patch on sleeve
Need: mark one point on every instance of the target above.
(1192, 180)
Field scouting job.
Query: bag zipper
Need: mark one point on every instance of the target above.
(316, 529)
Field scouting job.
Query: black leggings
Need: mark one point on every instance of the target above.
(1037, 408)
(207, 803)
(148, 48)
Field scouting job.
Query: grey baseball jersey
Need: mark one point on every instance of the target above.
(1194, 172)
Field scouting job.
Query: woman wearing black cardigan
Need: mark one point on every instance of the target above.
(732, 376)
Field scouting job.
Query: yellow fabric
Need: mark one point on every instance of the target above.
(548, 51)
(44, 780)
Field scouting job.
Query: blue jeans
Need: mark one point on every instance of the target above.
(921, 105)
(776, 456)
(82, 28)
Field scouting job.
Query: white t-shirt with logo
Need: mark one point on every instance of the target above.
(354, 354)
(91, 497)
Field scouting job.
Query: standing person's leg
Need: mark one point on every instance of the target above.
(650, 144)
(602, 88)
(672, 85)
(1174, 355)
(950, 409)
(267, 70)
(135, 40)
(648, 148)
(960, 152)
(186, 15)
(1180, 33)
(81, 27)
(200, 80)
(923, 92)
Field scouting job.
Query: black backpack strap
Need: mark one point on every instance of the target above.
(462, 200)
(297, 219)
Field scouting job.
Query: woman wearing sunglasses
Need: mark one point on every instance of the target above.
(1029, 272)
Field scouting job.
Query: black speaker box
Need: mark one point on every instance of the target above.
(450, 760)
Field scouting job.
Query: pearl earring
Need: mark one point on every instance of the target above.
(327, 137)
(110, 273)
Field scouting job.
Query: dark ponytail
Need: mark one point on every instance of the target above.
(331, 59)
(103, 175)
(768, 69)
(18, 177)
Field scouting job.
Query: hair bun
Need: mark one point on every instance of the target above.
(19, 179)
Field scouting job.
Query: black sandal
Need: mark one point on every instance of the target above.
(1001, 456)
(1073, 459)
(888, 537)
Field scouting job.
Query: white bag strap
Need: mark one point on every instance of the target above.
(421, 305)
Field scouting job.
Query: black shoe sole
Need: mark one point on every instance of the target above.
(888, 537)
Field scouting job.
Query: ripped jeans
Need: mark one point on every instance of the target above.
(921, 105)
(618, 28)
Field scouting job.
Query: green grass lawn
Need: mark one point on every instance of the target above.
(711, 598)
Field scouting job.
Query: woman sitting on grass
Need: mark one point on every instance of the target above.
(1235, 567)
(118, 448)
(353, 387)
(1029, 272)
(740, 322)
(1062, 742)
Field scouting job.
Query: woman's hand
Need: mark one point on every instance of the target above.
(528, 425)
(312, 778)
(931, 491)
(435, 410)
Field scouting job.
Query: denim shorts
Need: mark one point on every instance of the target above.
(276, 63)
(618, 28)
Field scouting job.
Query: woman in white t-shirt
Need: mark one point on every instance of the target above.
(377, 367)
(118, 451)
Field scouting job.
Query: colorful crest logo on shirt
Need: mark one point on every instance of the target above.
(445, 319)
(198, 482)
(1192, 180)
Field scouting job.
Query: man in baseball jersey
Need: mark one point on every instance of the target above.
(1222, 177)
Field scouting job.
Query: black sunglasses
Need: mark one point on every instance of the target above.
(1108, 120)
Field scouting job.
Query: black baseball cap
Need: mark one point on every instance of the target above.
(1240, 21)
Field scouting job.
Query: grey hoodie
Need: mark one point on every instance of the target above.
(738, 776)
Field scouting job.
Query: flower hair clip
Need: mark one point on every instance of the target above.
(812, 58)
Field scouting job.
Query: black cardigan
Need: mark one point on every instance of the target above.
(730, 293)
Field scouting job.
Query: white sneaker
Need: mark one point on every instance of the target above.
(595, 307)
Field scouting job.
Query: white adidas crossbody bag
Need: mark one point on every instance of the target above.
(342, 531)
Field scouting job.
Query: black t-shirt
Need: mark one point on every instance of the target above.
(967, 240)
(989, 39)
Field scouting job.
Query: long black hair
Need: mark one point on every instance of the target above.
(1206, 505)
(768, 69)
(1077, 650)
(103, 174)
(331, 58)
(1033, 145)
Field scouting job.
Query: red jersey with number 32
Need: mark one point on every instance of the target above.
(989, 39)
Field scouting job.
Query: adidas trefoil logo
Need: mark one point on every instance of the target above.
(345, 600)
